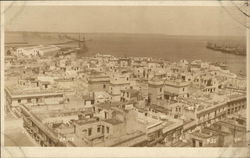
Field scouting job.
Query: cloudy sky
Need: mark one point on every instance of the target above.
(171, 20)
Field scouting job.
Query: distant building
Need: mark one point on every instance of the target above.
(130, 95)
(40, 50)
(31, 98)
(155, 91)
(118, 82)
(50, 50)
(27, 51)
(98, 82)
(220, 110)
(173, 89)
(204, 138)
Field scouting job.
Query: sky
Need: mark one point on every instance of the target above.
(170, 20)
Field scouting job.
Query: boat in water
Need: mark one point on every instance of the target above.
(222, 65)
(226, 49)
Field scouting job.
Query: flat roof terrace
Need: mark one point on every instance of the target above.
(149, 122)
(176, 83)
(207, 101)
(42, 113)
(113, 121)
(168, 125)
(128, 139)
(219, 101)
(54, 114)
(202, 134)
(18, 92)
(49, 132)
(56, 108)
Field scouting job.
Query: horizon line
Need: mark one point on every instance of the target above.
(67, 32)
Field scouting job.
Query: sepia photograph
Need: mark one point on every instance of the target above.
(124, 75)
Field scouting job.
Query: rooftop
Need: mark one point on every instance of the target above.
(113, 121)
(159, 108)
(202, 134)
(16, 91)
(44, 112)
(170, 125)
(86, 121)
(176, 83)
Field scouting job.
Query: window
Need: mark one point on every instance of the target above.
(107, 128)
(105, 115)
(98, 129)
(89, 131)
(19, 100)
(183, 89)
(104, 86)
(200, 144)
(193, 142)
(29, 100)
(160, 89)
(46, 86)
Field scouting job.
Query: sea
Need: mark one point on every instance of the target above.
(172, 48)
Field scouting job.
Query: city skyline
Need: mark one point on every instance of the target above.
(137, 76)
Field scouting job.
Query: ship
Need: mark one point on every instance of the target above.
(226, 49)
(222, 65)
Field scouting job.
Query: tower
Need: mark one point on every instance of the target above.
(155, 90)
